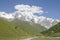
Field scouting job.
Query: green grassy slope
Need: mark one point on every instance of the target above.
(18, 29)
(8, 30)
(53, 31)
(32, 29)
(21, 29)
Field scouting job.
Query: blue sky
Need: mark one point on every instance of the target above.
(51, 6)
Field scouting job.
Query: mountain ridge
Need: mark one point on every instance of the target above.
(43, 21)
(53, 31)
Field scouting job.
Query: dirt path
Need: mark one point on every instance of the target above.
(29, 38)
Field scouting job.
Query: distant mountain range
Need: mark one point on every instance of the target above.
(43, 21)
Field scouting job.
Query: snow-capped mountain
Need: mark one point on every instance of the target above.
(29, 13)
(43, 21)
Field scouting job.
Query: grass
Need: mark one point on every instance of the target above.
(8, 30)
(53, 31)
(32, 29)
(18, 30)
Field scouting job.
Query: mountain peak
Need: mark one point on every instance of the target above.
(46, 22)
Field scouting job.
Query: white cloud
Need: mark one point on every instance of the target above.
(57, 20)
(6, 15)
(27, 12)
(23, 10)
(29, 9)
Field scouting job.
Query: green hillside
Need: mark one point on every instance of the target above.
(53, 31)
(32, 29)
(18, 29)
(8, 30)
